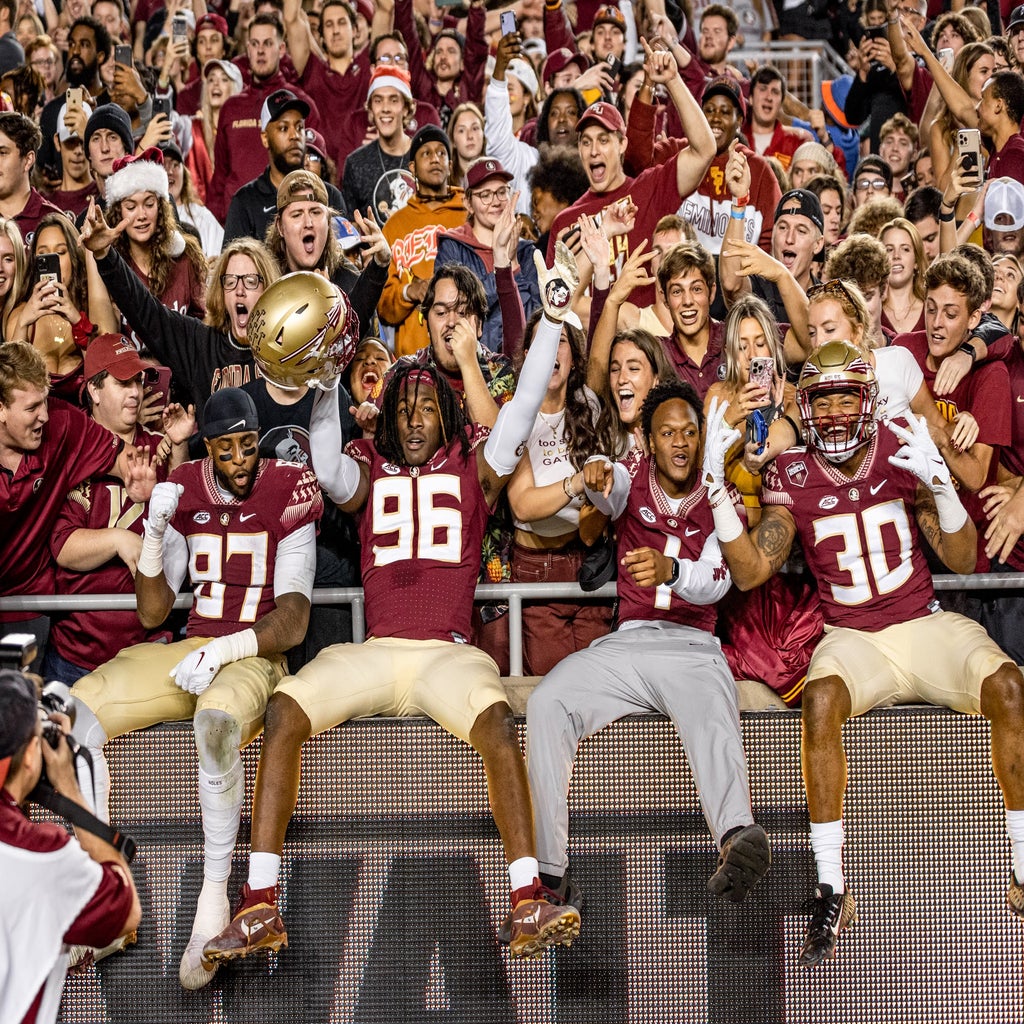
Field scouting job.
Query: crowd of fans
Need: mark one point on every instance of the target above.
(161, 167)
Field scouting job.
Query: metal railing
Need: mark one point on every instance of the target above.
(816, 60)
(514, 594)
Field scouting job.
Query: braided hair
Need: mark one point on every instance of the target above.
(408, 376)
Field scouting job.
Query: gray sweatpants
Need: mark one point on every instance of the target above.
(675, 670)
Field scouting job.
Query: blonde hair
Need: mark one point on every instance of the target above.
(10, 228)
(920, 260)
(266, 266)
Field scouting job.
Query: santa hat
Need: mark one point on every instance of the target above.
(143, 172)
(390, 78)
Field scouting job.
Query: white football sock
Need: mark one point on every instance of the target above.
(1015, 830)
(523, 872)
(220, 797)
(90, 734)
(264, 869)
(827, 843)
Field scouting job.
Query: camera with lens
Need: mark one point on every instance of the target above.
(17, 652)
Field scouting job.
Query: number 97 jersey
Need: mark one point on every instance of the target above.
(859, 534)
(232, 543)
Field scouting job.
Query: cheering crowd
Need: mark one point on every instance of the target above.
(311, 293)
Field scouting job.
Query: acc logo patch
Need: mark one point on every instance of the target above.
(647, 515)
(201, 518)
(828, 502)
(796, 472)
(391, 469)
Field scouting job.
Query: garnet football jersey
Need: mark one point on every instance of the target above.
(421, 531)
(90, 638)
(232, 542)
(650, 521)
(859, 534)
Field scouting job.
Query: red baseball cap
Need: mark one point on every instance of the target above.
(484, 169)
(365, 8)
(213, 20)
(603, 113)
(115, 354)
(559, 60)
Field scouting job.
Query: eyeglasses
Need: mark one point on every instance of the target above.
(398, 59)
(876, 183)
(46, 62)
(230, 281)
(487, 194)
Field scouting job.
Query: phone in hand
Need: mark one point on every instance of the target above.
(123, 55)
(162, 105)
(762, 372)
(946, 57)
(179, 29)
(48, 267)
(158, 381)
(757, 430)
(74, 97)
(875, 32)
(614, 65)
(508, 23)
(968, 147)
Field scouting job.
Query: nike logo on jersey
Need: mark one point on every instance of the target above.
(690, 533)
(1020, 398)
(877, 487)
(243, 518)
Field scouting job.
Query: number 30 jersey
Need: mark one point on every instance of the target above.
(232, 542)
(859, 534)
(421, 532)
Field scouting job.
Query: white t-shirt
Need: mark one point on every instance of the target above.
(899, 379)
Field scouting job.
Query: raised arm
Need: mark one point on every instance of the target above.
(943, 520)
(753, 557)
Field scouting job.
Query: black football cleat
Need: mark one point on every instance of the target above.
(831, 913)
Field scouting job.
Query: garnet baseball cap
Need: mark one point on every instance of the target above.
(229, 411)
(484, 169)
(559, 60)
(213, 20)
(316, 143)
(798, 201)
(279, 102)
(1016, 19)
(302, 186)
(724, 85)
(115, 354)
(603, 113)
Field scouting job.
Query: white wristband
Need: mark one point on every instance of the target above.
(952, 514)
(151, 558)
(728, 525)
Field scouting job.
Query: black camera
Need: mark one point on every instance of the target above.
(55, 698)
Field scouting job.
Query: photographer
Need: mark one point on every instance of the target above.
(60, 890)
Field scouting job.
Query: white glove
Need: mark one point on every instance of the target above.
(559, 283)
(197, 670)
(162, 505)
(920, 457)
(719, 437)
(919, 454)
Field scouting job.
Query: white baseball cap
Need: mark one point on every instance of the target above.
(1005, 199)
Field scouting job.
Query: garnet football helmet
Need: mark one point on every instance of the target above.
(838, 366)
(303, 332)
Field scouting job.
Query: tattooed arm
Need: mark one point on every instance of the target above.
(756, 556)
(957, 550)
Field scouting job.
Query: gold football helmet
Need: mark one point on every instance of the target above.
(837, 366)
(303, 332)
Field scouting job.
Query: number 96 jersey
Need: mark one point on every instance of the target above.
(859, 534)
(232, 542)
(421, 532)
